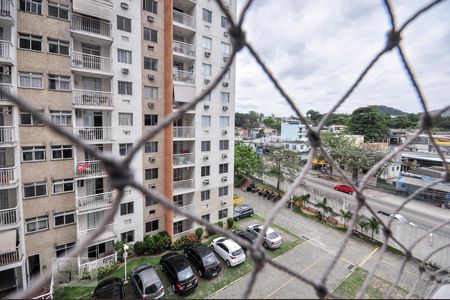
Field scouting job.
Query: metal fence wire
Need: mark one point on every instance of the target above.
(121, 174)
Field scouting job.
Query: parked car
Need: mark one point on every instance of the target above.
(346, 188)
(179, 272)
(203, 259)
(111, 288)
(397, 217)
(247, 235)
(242, 211)
(229, 250)
(146, 283)
(272, 240)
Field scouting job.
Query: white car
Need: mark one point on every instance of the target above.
(272, 240)
(397, 217)
(229, 250)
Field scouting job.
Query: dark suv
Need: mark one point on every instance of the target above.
(203, 259)
(179, 272)
(247, 235)
(111, 288)
(242, 211)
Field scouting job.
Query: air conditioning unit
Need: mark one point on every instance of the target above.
(151, 77)
(125, 71)
(225, 33)
(224, 108)
(205, 157)
(151, 105)
(223, 202)
(151, 48)
(206, 106)
(225, 58)
(224, 179)
(152, 186)
(224, 132)
(226, 6)
(207, 54)
(150, 19)
(224, 155)
(151, 160)
(225, 84)
(206, 182)
(207, 81)
(124, 5)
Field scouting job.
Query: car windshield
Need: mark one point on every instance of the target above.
(237, 209)
(237, 252)
(209, 259)
(185, 274)
(151, 289)
(273, 235)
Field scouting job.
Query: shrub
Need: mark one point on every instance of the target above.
(104, 271)
(220, 223)
(210, 231)
(139, 248)
(183, 242)
(199, 233)
(239, 180)
(118, 246)
(230, 223)
(155, 244)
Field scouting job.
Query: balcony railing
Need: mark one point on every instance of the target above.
(183, 76)
(183, 233)
(183, 185)
(184, 48)
(96, 201)
(7, 134)
(7, 88)
(5, 49)
(11, 257)
(94, 133)
(95, 264)
(89, 168)
(183, 159)
(184, 19)
(7, 175)
(91, 62)
(6, 7)
(187, 208)
(9, 217)
(92, 98)
(90, 25)
(107, 233)
(183, 132)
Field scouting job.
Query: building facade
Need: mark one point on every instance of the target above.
(109, 71)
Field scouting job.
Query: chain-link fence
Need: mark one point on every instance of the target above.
(122, 176)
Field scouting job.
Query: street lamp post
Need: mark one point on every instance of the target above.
(125, 255)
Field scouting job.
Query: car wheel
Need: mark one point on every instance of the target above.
(351, 193)
(335, 189)
(251, 215)
(228, 263)
(237, 219)
(200, 273)
(265, 245)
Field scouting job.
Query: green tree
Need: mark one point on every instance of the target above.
(272, 122)
(374, 225)
(324, 207)
(369, 122)
(246, 161)
(363, 223)
(337, 119)
(282, 163)
(346, 215)
(314, 116)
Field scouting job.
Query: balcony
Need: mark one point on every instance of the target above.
(12, 257)
(7, 135)
(91, 63)
(184, 132)
(6, 7)
(184, 159)
(95, 202)
(183, 186)
(7, 88)
(92, 99)
(94, 134)
(9, 218)
(184, 49)
(187, 208)
(185, 20)
(96, 264)
(89, 168)
(91, 26)
(5, 49)
(183, 233)
(107, 234)
(183, 76)
(8, 177)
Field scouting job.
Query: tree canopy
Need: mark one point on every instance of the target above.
(283, 164)
(369, 122)
(246, 161)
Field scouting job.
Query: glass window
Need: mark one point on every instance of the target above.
(124, 149)
(149, 201)
(223, 213)
(206, 70)
(28, 119)
(223, 191)
(150, 63)
(58, 47)
(30, 42)
(62, 152)
(150, 120)
(31, 80)
(59, 83)
(36, 224)
(123, 23)
(126, 208)
(125, 88)
(206, 121)
(151, 92)
(59, 11)
(127, 236)
(205, 195)
(224, 98)
(34, 153)
(151, 226)
(63, 186)
(124, 56)
(150, 35)
(35, 189)
(224, 121)
(224, 145)
(63, 250)
(205, 171)
(125, 119)
(65, 218)
(207, 97)
(223, 168)
(224, 23)
(60, 117)
(205, 217)
(151, 174)
(206, 146)
(227, 74)
(206, 43)
(225, 48)
(31, 6)
(150, 6)
(151, 147)
(207, 16)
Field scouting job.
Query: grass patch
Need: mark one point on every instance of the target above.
(350, 287)
(73, 292)
(134, 263)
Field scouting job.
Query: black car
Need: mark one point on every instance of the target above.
(247, 235)
(179, 272)
(111, 288)
(242, 211)
(203, 259)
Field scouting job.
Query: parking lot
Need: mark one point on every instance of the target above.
(312, 258)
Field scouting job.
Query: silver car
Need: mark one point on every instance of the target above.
(272, 240)
(146, 283)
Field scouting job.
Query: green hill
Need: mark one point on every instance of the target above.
(389, 110)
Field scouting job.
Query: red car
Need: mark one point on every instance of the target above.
(344, 188)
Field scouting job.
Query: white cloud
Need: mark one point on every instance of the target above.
(318, 48)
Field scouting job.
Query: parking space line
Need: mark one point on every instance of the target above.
(328, 251)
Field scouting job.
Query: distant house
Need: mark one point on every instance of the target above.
(293, 130)
(337, 128)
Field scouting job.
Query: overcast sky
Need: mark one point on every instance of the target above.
(318, 47)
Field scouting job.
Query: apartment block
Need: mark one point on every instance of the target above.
(109, 71)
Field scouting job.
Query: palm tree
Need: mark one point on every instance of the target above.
(374, 225)
(363, 223)
(347, 215)
(323, 206)
(305, 199)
